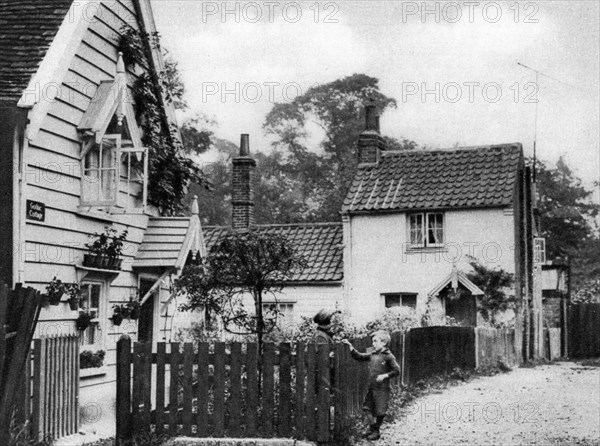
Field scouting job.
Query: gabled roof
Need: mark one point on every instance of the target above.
(319, 243)
(436, 179)
(169, 240)
(27, 28)
(453, 279)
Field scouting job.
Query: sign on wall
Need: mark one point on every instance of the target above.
(35, 210)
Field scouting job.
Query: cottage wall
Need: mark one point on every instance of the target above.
(307, 300)
(380, 260)
(52, 175)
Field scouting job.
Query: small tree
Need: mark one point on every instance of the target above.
(248, 263)
(494, 283)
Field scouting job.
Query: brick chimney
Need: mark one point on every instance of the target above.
(242, 200)
(370, 142)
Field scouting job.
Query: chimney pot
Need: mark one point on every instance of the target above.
(245, 145)
(371, 116)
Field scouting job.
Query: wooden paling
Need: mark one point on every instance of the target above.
(294, 391)
(19, 314)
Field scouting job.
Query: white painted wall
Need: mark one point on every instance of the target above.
(378, 259)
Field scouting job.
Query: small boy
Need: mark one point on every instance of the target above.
(382, 367)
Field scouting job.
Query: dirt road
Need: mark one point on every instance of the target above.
(556, 404)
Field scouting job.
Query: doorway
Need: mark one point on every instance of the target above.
(146, 322)
(463, 309)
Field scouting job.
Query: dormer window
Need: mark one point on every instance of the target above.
(114, 164)
(100, 172)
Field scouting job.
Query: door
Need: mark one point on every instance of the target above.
(146, 321)
(463, 309)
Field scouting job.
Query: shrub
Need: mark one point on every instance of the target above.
(89, 359)
(397, 319)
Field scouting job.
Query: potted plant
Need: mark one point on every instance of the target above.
(84, 320)
(115, 249)
(54, 290)
(120, 312)
(74, 292)
(89, 359)
(96, 255)
(134, 308)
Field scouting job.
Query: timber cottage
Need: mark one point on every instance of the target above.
(73, 164)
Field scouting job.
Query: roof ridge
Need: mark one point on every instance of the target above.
(517, 145)
(273, 225)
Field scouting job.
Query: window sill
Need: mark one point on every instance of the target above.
(92, 372)
(417, 249)
(94, 214)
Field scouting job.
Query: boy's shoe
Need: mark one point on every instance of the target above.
(375, 435)
(369, 431)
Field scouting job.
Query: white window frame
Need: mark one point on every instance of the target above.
(422, 232)
(401, 299)
(288, 316)
(86, 182)
(126, 180)
(539, 250)
(98, 322)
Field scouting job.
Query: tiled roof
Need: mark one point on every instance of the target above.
(436, 179)
(27, 28)
(167, 242)
(319, 243)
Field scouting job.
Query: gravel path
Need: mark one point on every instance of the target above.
(557, 404)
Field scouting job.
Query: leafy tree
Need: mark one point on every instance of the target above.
(196, 134)
(495, 283)
(241, 264)
(318, 177)
(568, 219)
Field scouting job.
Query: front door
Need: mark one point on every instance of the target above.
(146, 322)
(463, 309)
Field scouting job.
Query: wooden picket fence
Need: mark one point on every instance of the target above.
(439, 350)
(55, 387)
(297, 391)
(19, 314)
(225, 390)
(584, 330)
(493, 345)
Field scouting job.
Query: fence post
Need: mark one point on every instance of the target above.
(123, 388)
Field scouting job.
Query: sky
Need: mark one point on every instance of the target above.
(453, 67)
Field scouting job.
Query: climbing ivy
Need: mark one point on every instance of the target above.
(170, 171)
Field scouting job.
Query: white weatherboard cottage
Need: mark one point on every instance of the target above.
(69, 139)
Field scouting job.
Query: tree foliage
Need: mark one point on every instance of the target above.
(170, 170)
(495, 283)
(313, 177)
(241, 264)
(569, 219)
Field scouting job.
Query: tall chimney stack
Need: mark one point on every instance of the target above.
(370, 142)
(242, 200)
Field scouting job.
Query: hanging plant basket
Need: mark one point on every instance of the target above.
(55, 290)
(84, 320)
(117, 318)
(73, 304)
(54, 297)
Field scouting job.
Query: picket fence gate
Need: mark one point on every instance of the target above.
(296, 391)
(226, 390)
(55, 389)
